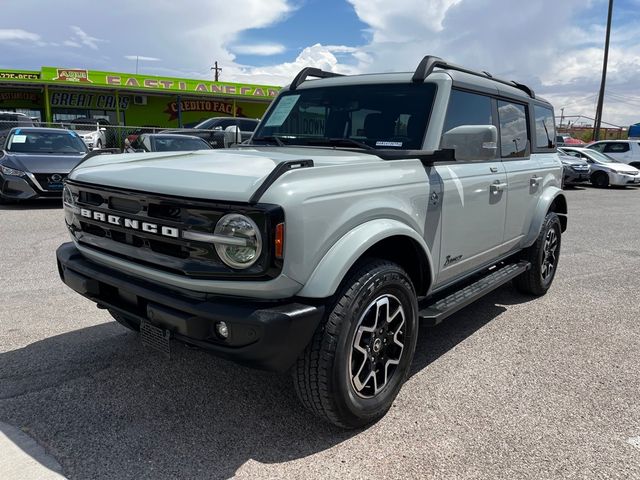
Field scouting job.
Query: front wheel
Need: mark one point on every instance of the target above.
(600, 180)
(543, 256)
(360, 356)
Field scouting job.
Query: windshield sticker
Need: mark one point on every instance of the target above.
(388, 144)
(282, 111)
(19, 139)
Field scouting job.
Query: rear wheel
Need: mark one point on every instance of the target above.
(360, 356)
(543, 256)
(600, 179)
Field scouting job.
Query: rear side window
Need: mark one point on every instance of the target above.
(513, 129)
(598, 147)
(545, 127)
(615, 147)
(467, 109)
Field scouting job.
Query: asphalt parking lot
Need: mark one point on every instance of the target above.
(511, 387)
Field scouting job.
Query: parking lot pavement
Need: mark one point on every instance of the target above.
(510, 387)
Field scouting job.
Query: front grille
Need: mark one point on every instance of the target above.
(171, 216)
(50, 182)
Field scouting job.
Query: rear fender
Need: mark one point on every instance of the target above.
(550, 195)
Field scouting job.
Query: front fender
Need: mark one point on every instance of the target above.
(548, 197)
(333, 267)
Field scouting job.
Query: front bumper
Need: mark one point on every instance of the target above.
(24, 188)
(572, 176)
(622, 179)
(263, 334)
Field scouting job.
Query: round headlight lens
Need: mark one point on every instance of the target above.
(236, 226)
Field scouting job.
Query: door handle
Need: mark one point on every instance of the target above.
(497, 187)
(535, 181)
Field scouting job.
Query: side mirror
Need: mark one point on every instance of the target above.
(102, 129)
(231, 136)
(472, 142)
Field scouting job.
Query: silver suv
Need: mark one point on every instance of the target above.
(362, 207)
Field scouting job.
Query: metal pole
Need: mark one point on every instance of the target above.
(561, 116)
(179, 111)
(137, 64)
(47, 105)
(118, 135)
(598, 119)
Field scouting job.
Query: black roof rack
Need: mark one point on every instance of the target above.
(430, 62)
(311, 72)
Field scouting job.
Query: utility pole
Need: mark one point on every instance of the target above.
(137, 58)
(598, 119)
(216, 70)
(561, 116)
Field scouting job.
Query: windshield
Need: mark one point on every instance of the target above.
(174, 144)
(391, 116)
(600, 157)
(22, 141)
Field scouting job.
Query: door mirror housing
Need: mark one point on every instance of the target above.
(231, 136)
(472, 142)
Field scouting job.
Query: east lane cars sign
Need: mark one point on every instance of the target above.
(153, 83)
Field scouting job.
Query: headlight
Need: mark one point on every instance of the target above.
(67, 197)
(11, 171)
(238, 242)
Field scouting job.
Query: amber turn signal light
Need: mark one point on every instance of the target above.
(279, 240)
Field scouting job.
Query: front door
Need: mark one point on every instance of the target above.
(474, 206)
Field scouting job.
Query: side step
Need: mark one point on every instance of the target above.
(441, 309)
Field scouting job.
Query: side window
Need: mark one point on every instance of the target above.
(598, 147)
(545, 127)
(467, 109)
(513, 129)
(615, 147)
(247, 125)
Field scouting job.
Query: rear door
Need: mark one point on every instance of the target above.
(523, 170)
(473, 197)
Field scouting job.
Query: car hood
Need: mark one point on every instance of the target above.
(231, 174)
(572, 161)
(619, 167)
(42, 163)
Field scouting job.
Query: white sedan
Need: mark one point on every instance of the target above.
(605, 170)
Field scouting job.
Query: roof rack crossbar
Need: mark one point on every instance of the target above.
(311, 72)
(431, 62)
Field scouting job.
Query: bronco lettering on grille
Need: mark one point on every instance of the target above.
(131, 223)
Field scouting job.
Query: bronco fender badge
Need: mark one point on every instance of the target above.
(449, 260)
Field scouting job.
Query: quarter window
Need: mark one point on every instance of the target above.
(513, 129)
(545, 127)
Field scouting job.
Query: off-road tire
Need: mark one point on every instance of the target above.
(533, 281)
(323, 374)
(124, 321)
(600, 179)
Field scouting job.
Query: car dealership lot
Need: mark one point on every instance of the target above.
(509, 387)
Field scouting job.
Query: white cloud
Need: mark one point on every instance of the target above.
(259, 49)
(142, 58)
(80, 36)
(13, 34)
(71, 43)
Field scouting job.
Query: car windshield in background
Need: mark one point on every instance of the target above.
(601, 157)
(23, 141)
(175, 144)
(388, 116)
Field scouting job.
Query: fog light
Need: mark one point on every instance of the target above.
(222, 330)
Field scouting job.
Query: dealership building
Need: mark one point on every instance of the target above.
(56, 95)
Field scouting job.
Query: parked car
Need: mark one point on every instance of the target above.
(35, 161)
(212, 130)
(362, 205)
(167, 142)
(574, 169)
(625, 151)
(92, 131)
(134, 134)
(562, 140)
(605, 170)
(9, 120)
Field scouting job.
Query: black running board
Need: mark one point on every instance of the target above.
(441, 309)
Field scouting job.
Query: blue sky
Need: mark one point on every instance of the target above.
(553, 45)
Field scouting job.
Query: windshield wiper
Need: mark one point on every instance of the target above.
(270, 138)
(337, 141)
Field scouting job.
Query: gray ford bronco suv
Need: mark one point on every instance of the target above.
(362, 207)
